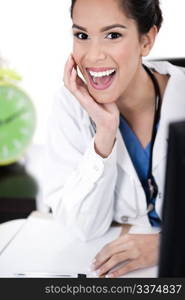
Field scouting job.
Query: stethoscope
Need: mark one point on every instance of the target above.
(151, 185)
(152, 188)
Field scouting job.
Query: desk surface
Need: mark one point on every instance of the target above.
(8, 231)
(39, 244)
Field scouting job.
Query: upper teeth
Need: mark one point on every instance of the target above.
(101, 74)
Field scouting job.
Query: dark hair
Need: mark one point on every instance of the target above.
(146, 13)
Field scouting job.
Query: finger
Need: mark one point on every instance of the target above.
(73, 82)
(81, 93)
(113, 262)
(68, 69)
(74, 85)
(126, 268)
(79, 81)
(73, 78)
(109, 250)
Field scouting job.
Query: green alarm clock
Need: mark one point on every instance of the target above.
(17, 122)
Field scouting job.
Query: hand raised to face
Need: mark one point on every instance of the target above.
(104, 115)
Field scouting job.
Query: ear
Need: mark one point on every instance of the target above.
(147, 40)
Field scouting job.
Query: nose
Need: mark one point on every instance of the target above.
(95, 52)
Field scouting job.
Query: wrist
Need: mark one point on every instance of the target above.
(104, 143)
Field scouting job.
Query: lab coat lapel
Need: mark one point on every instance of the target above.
(123, 158)
(160, 146)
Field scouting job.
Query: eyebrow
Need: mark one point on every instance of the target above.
(75, 26)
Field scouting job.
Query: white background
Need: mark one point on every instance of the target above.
(35, 38)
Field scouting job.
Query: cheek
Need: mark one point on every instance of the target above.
(130, 49)
(128, 59)
(121, 54)
(77, 53)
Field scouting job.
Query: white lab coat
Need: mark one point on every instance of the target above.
(85, 191)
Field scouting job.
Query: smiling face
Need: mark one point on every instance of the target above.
(107, 48)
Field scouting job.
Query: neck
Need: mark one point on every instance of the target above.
(137, 99)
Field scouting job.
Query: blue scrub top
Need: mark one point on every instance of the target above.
(140, 158)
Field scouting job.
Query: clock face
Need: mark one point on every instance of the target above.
(17, 123)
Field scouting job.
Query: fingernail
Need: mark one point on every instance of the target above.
(98, 272)
(94, 274)
(93, 268)
(109, 275)
(73, 71)
(93, 264)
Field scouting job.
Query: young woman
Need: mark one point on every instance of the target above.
(108, 134)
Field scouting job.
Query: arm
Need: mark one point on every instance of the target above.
(80, 179)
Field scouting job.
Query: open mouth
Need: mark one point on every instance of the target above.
(101, 80)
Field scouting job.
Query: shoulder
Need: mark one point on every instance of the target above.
(65, 100)
(176, 82)
(173, 99)
(65, 104)
(67, 113)
(166, 68)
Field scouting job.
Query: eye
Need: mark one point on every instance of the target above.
(113, 35)
(81, 35)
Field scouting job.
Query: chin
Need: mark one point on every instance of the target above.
(103, 98)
